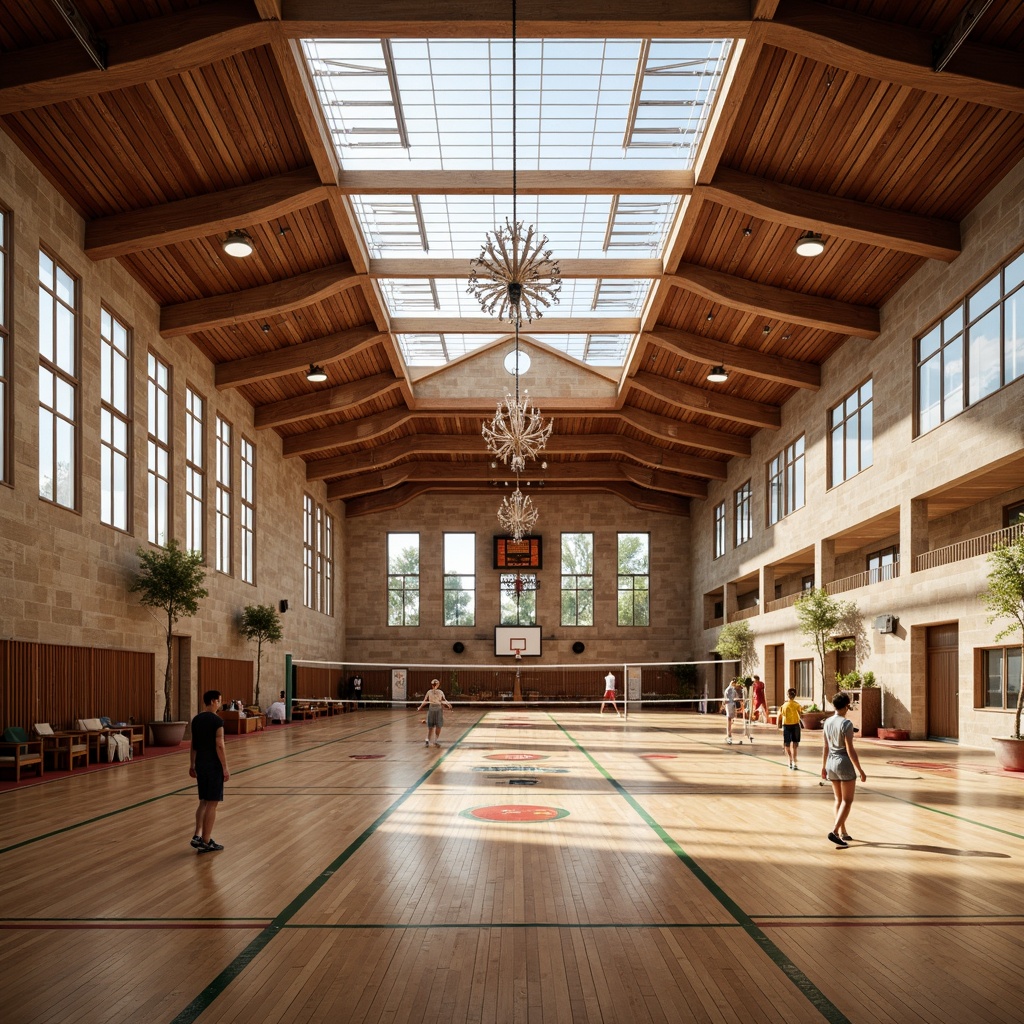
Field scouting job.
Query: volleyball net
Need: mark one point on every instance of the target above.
(686, 686)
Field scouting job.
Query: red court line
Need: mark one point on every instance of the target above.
(130, 925)
(889, 922)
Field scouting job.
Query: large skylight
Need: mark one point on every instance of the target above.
(618, 105)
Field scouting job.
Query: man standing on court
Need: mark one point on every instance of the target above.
(609, 693)
(208, 765)
(732, 698)
(435, 714)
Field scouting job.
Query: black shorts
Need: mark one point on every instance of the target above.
(210, 782)
(791, 734)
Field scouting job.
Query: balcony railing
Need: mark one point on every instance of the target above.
(784, 602)
(864, 579)
(970, 548)
(743, 613)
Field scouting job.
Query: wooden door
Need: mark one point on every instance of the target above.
(943, 682)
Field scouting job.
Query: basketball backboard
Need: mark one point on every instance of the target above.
(512, 640)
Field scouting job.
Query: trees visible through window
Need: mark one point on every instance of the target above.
(224, 495)
(115, 427)
(1000, 677)
(158, 450)
(850, 435)
(634, 604)
(743, 511)
(974, 350)
(58, 383)
(195, 471)
(577, 579)
(518, 599)
(403, 579)
(247, 522)
(786, 482)
(718, 546)
(460, 579)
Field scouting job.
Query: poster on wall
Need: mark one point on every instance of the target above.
(399, 682)
(634, 675)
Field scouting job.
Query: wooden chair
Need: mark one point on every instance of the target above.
(65, 745)
(17, 751)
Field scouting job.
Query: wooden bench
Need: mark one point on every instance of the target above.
(19, 754)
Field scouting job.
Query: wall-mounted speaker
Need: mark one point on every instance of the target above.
(887, 623)
(458, 647)
(579, 647)
(282, 606)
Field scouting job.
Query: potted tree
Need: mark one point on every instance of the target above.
(262, 624)
(1004, 599)
(171, 580)
(819, 617)
(736, 643)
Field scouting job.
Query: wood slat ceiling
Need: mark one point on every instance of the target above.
(203, 123)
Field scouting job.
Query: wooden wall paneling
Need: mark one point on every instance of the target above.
(233, 677)
(318, 682)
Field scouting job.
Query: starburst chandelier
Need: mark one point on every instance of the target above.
(515, 278)
(517, 514)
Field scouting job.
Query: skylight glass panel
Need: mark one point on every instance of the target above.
(576, 106)
(427, 349)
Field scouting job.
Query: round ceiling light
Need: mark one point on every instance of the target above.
(718, 375)
(810, 244)
(238, 244)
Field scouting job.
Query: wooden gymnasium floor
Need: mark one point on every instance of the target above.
(651, 873)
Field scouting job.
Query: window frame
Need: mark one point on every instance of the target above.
(719, 531)
(450, 573)
(224, 495)
(158, 482)
(743, 514)
(982, 675)
(787, 481)
(842, 426)
(877, 573)
(576, 589)
(525, 610)
(70, 378)
(247, 510)
(404, 589)
(195, 471)
(6, 346)
(802, 677)
(637, 597)
(124, 416)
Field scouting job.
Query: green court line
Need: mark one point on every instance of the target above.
(219, 984)
(804, 985)
(190, 788)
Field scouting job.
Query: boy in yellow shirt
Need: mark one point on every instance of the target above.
(789, 723)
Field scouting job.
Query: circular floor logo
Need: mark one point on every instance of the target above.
(520, 813)
(516, 755)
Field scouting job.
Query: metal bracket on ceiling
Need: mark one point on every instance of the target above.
(94, 45)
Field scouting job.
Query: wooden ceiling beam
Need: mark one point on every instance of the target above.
(489, 325)
(843, 218)
(136, 53)
(198, 216)
(471, 444)
(710, 403)
(588, 19)
(283, 361)
(320, 403)
(900, 54)
(423, 267)
(747, 361)
(638, 497)
(256, 303)
(341, 434)
(693, 434)
(657, 480)
(528, 183)
(778, 303)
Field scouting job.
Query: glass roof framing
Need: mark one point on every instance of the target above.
(581, 104)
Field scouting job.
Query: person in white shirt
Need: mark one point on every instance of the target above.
(609, 693)
(733, 700)
(276, 712)
(435, 713)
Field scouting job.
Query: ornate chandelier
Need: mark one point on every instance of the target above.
(517, 514)
(517, 432)
(515, 277)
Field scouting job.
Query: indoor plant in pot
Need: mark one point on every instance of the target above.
(1004, 599)
(262, 624)
(171, 580)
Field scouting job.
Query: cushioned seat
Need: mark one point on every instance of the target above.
(64, 746)
(17, 751)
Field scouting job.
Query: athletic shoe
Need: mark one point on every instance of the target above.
(197, 841)
(847, 839)
(833, 838)
(426, 743)
(728, 739)
(210, 847)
